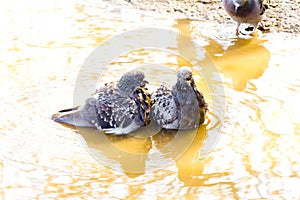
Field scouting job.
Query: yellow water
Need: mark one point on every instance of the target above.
(43, 47)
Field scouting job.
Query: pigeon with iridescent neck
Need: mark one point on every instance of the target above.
(117, 108)
(245, 11)
(182, 107)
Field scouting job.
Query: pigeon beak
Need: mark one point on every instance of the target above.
(190, 77)
(144, 83)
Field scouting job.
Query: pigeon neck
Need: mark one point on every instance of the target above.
(126, 88)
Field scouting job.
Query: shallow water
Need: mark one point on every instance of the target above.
(247, 149)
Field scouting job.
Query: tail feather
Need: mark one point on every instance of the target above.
(69, 109)
(71, 116)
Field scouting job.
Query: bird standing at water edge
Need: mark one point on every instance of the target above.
(183, 107)
(118, 108)
(245, 11)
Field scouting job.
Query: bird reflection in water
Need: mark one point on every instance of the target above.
(123, 153)
(244, 60)
(130, 153)
(190, 163)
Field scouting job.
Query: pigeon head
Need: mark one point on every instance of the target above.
(131, 80)
(184, 73)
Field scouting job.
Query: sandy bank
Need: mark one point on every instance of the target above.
(282, 16)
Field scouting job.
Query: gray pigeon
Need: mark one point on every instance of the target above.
(118, 108)
(245, 11)
(183, 107)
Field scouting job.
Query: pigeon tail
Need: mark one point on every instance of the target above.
(72, 117)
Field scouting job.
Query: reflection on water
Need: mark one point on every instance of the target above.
(122, 153)
(130, 154)
(243, 60)
(136, 155)
(189, 164)
(43, 46)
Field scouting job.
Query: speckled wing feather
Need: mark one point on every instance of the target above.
(119, 113)
(88, 112)
(164, 109)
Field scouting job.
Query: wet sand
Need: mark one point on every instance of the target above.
(281, 16)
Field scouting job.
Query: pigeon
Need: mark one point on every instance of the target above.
(182, 107)
(245, 11)
(117, 108)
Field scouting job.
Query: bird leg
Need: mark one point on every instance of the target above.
(237, 28)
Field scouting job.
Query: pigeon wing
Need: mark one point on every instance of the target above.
(114, 108)
(119, 113)
(164, 109)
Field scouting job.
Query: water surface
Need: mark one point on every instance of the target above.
(43, 47)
